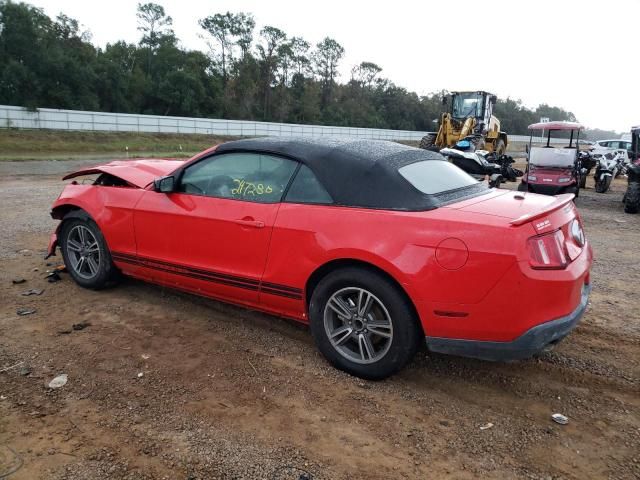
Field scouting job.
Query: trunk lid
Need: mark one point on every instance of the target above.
(517, 207)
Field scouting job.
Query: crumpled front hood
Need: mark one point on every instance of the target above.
(138, 173)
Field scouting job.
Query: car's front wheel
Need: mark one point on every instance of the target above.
(85, 253)
(363, 324)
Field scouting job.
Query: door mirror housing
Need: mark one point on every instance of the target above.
(165, 184)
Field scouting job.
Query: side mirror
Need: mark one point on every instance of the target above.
(493, 99)
(165, 184)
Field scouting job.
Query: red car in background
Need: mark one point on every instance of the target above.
(378, 246)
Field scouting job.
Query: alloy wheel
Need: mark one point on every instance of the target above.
(83, 252)
(358, 325)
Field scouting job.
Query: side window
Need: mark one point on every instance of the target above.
(307, 189)
(239, 176)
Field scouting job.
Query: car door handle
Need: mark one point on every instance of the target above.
(250, 222)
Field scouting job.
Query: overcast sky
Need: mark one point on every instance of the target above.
(579, 55)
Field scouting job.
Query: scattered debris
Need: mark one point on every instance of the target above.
(59, 381)
(33, 291)
(2, 397)
(559, 418)
(18, 281)
(141, 374)
(35, 269)
(26, 311)
(64, 332)
(11, 367)
(290, 471)
(486, 426)
(619, 220)
(25, 371)
(81, 325)
(11, 461)
(53, 277)
(145, 356)
(254, 368)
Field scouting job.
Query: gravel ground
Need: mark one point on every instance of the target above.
(230, 393)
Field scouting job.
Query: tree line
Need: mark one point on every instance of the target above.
(246, 74)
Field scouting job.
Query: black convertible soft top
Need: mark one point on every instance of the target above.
(357, 173)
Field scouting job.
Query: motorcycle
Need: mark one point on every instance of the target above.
(587, 162)
(607, 168)
(466, 158)
(509, 173)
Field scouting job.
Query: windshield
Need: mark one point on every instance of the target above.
(467, 105)
(436, 176)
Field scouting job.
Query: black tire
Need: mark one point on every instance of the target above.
(105, 270)
(603, 186)
(583, 180)
(632, 198)
(395, 352)
(499, 148)
(428, 141)
(522, 187)
(574, 189)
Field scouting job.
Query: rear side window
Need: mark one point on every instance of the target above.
(433, 177)
(307, 189)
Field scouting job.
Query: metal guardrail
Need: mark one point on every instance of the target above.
(55, 119)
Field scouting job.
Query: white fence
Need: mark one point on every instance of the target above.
(54, 119)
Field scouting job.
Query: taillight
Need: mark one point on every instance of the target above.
(547, 251)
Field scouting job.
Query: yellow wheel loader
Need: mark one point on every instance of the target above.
(469, 116)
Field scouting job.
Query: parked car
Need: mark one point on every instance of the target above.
(378, 246)
(602, 147)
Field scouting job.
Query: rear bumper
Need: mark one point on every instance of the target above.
(528, 344)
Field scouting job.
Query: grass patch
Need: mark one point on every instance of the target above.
(55, 144)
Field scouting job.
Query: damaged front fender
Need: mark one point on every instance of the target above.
(53, 243)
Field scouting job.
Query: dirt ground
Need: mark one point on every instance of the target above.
(163, 385)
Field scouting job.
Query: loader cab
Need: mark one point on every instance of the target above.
(478, 105)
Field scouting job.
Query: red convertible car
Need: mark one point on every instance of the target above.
(378, 246)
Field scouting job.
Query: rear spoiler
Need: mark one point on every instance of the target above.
(560, 201)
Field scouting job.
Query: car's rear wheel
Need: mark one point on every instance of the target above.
(363, 324)
(85, 253)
